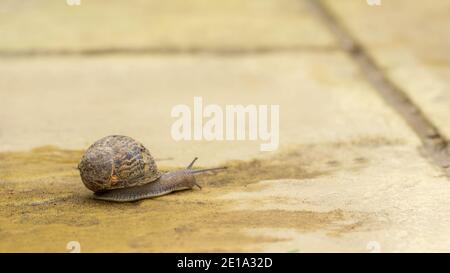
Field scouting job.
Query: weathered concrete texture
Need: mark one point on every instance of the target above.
(338, 196)
(411, 42)
(384, 198)
(349, 175)
(71, 102)
(161, 25)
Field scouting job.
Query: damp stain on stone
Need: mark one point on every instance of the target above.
(42, 197)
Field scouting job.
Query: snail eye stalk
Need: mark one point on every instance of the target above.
(192, 163)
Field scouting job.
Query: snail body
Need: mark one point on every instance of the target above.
(118, 168)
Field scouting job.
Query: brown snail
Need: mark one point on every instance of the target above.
(118, 168)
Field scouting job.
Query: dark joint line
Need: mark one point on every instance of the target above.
(163, 51)
(434, 143)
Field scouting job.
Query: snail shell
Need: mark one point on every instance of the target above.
(116, 162)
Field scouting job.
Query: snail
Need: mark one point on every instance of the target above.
(119, 168)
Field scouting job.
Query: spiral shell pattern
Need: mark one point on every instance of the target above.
(115, 162)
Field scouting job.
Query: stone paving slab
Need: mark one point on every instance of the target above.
(158, 25)
(386, 203)
(71, 102)
(360, 195)
(410, 41)
(348, 175)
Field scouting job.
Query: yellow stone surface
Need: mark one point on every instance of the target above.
(411, 42)
(72, 102)
(161, 25)
(348, 171)
(349, 175)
